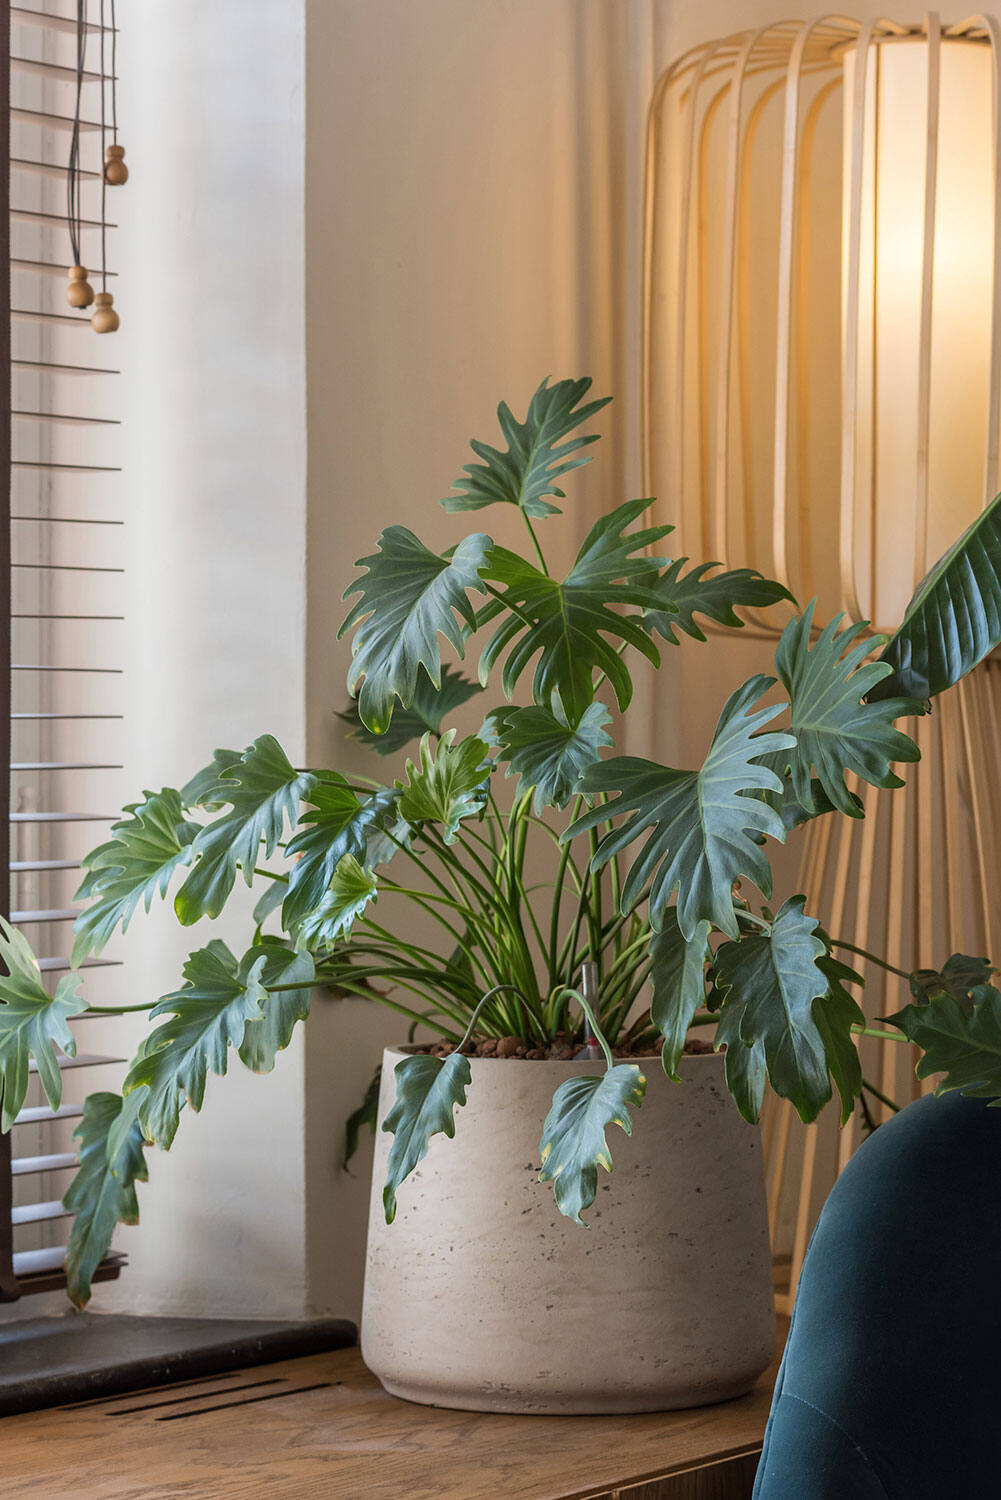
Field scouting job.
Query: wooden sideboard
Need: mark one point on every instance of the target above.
(323, 1426)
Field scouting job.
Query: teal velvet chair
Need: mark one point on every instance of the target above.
(890, 1387)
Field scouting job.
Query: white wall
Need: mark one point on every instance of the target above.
(212, 303)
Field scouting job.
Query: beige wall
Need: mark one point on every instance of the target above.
(472, 225)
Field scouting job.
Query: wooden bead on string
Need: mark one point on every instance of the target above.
(105, 319)
(116, 173)
(79, 292)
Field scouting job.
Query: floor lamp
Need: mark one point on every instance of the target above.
(822, 400)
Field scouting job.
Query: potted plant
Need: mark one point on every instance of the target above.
(605, 914)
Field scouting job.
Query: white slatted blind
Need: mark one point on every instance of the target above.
(67, 561)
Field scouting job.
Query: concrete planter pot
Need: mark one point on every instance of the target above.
(482, 1296)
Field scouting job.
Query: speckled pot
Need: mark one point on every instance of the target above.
(482, 1296)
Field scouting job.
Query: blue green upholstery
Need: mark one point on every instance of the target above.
(890, 1388)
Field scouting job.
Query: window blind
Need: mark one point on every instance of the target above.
(63, 578)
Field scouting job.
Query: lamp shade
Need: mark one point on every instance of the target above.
(822, 375)
(822, 401)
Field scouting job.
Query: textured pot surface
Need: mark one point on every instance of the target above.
(481, 1295)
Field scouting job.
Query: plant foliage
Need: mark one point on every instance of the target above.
(539, 451)
(954, 618)
(702, 824)
(428, 1092)
(648, 874)
(103, 1193)
(573, 1144)
(33, 1025)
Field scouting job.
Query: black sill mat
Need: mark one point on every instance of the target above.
(56, 1361)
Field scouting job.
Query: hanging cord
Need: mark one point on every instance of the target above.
(114, 75)
(104, 178)
(73, 211)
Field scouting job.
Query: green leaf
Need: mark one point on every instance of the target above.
(954, 618)
(427, 710)
(788, 805)
(135, 865)
(773, 980)
(337, 823)
(535, 457)
(568, 622)
(717, 596)
(350, 890)
(835, 730)
(282, 1009)
(367, 1113)
(450, 784)
(746, 1070)
(966, 1048)
(272, 898)
(679, 984)
(207, 1017)
(200, 791)
(959, 976)
(262, 788)
(33, 1024)
(549, 750)
(102, 1195)
(702, 824)
(409, 596)
(573, 1143)
(428, 1091)
(835, 1014)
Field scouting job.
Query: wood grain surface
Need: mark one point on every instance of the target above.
(323, 1426)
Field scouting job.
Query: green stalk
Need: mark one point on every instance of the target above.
(872, 957)
(535, 543)
(595, 1028)
(594, 906)
(886, 1036)
(877, 1094)
(120, 1010)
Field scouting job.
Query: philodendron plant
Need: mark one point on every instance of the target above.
(646, 877)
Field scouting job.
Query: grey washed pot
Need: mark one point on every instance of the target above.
(482, 1296)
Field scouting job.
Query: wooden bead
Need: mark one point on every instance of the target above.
(105, 319)
(79, 293)
(115, 171)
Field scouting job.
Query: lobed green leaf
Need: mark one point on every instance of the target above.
(409, 596)
(538, 453)
(33, 1024)
(835, 730)
(136, 864)
(717, 596)
(570, 624)
(102, 1195)
(573, 1144)
(262, 789)
(428, 1091)
(207, 1016)
(700, 825)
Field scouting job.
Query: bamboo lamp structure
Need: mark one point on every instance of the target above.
(822, 401)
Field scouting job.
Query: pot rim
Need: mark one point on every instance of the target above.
(412, 1049)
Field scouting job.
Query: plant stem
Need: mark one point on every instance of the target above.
(535, 543)
(120, 1010)
(482, 1002)
(886, 1036)
(596, 1029)
(877, 1094)
(872, 957)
